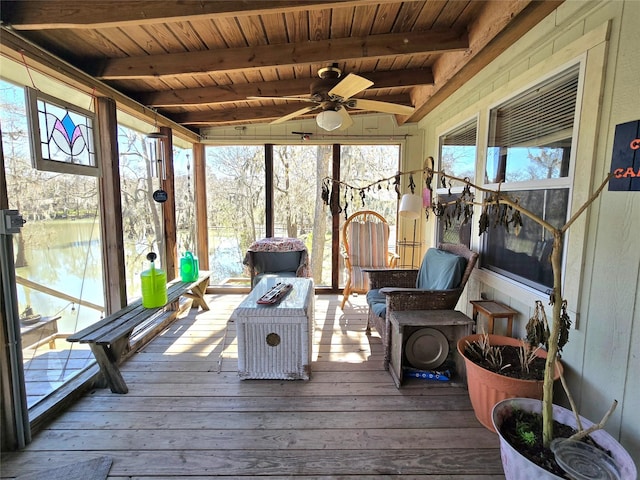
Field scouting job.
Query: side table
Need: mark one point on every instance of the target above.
(40, 332)
(493, 310)
(452, 324)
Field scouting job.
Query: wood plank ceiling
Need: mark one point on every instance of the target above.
(196, 62)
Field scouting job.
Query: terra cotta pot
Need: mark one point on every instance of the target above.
(487, 388)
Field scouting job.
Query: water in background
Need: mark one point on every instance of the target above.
(65, 256)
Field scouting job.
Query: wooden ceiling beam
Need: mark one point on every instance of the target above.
(262, 113)
(295, 54)
(301, 86)
(56, 14)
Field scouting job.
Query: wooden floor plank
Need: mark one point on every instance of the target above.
(109, 403)
(188, 414)
(347, 438)
(283, 463)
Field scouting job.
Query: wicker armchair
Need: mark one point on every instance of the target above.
(399, 289)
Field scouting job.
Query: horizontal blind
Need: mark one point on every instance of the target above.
(538, 115)
(463, 135)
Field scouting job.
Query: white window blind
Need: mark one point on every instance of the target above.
(542, 116)
(463, 135)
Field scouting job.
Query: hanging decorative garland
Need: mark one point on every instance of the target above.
(497, 208)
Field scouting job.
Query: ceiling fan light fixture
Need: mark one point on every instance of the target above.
(329, 120)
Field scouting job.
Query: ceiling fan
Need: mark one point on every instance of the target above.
(332, 96)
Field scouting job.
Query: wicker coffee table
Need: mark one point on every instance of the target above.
(275, 341)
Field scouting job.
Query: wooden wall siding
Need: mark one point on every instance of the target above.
(602, 281)
(187, 413)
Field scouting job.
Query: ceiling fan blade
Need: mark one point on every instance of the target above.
(384, 107)
(349, 86)
(297, 113)
(299, 99)
(346, 119)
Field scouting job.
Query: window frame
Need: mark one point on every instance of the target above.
(557, 183)
(33, 96)
(590, 52)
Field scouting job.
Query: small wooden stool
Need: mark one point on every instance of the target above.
(493, 310)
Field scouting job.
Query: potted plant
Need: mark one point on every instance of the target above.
(500, 367)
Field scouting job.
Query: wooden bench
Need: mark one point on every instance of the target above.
(110, 338)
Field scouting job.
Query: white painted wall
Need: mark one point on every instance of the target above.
(602, 359)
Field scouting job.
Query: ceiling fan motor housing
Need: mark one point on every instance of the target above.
(320, 88)
(329, 78)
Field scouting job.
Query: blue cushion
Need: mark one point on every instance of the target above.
(377, 302)
(440, 270)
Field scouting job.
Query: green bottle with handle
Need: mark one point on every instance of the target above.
(189, 267)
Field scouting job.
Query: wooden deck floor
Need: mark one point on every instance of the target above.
(187, 414)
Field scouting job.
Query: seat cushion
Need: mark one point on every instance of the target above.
(440, 270)
(377, 302)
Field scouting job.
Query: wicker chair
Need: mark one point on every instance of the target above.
(399, 289)
(365, 239)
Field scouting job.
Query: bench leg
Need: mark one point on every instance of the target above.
(108, 363)
(197, 294)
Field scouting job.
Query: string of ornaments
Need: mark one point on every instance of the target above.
(497, 208)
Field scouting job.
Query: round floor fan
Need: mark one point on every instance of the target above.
(332, 95)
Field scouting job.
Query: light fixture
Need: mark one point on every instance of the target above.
(329, 120)
(410, 207)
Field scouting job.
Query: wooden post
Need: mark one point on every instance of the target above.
(268, 190)
(335, 223)
(200, 194)
(110, 198)
(169, 209)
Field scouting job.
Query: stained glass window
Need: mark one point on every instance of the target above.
(63, 135)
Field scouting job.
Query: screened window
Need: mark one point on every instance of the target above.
(235, 208)
(57, 256)
(185, 201)
(142, 219)
(361, 165)
(296, 210)
(530, 142)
